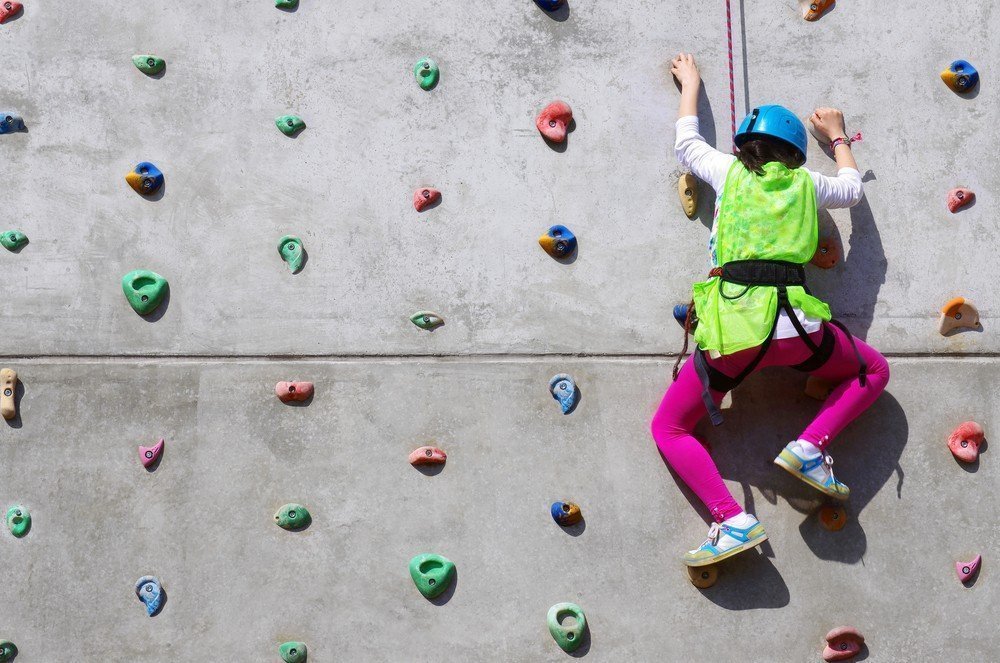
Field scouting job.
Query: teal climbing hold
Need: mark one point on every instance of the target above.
(568, 636)
(432, 574)
(290, 249)
(12, 240)
(290, 124)
(286, 4)
(149, 64)
(426, 72)
(292, 517)
(293, 652)
(144, 290)
(7, 651)
(18, 520)
(427, 320)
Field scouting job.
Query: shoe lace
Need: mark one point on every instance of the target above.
(713, 534)
(828, 466)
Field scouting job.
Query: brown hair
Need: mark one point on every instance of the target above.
(758, 151)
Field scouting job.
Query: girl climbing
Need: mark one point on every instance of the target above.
(754, 310)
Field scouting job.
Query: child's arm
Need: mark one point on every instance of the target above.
(844, 190)
(693, 152)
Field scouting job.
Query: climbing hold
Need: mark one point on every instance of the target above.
(293, 652)
(8, 382)
(569, 637)
(554, 120)
(148, 64)
(427, 73)
(292, 517)
(965, 441)
(681, 314)
(10, 123)
(563, 389)
(687, 189)
(432, 574)
(149, 591)
(144, 290)
(290, 124)
(827, 254)
(293, 391)
(558, 242)
(12, 240)
(959, 198)
(960, 76)
(18, 520)
(550, 5)
(427, 320)
(818, 388)
(958, 313)
(427, 456)
(7, 651)
(833, 517)
(146, 179)
(286, 4)
(149, 455)
(815, 8)
(565, 513)
(966, 570)
(424, 198)
(842, 643)
(703, 577)
(290, 250)
(9, 9)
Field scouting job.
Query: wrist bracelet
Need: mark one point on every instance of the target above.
(845, 141)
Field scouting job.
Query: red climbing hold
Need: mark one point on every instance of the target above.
(815, 8)
(9, 8)
(553, 121)
(424, 198)
(293, 391)
(966, 440)
(966, 570)
(827, 254)
(427, 456)
(842, 643)
(959, 198)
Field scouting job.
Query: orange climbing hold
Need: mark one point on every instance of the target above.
(843, 643)
(687, 189)
(816, 8)
(959, 198)
(833, 517)
(965, 441)
(703, 577)
(827, 254)
(554, 120)
(956, 314)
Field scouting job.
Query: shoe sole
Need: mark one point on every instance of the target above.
(806, 479)
(726, 555)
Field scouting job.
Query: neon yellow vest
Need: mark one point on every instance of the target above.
(769, 217)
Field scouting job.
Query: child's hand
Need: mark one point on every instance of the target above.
(685, 70)
(829, 123)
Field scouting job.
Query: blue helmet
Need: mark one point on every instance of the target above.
(775, 122)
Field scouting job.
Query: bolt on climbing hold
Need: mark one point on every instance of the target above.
(428, 456)
(10, 123)
(815, 8)
(681, 313)
(563, 389)
(427, 320)
(13, 240)
(426, 72)
(286, 4)
(292, 517)
(290, 124)
(565, 513)
(554, 120)
(424, 198)
(842, 643)
(293, 391)
(145, 179)
(18, 520)
(290, 250)
(432, 574)
(144, 290)
(569, 637)
(550, 5)
(833, 517)
(827, 254)
(149, 455)
(703, 577)
(559, 242)
(958, 313)
(7, 651)
(960, 76)
(150, 592)
(293, 652)
(818, 388)
(965, 441)
(966, 570)
(9, 9)
(149, 64)
(959, 198)
(687, 189)
(8, 403)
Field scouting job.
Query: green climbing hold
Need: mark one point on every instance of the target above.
(18, 520)
(144, 290)
(287, 4)
(149, 64)
(432, 574)
(290, 248)
(427, 320)
(292, 517)
(7, 651)
(570, 636)
(12, 240)
(293, 652)
(426, 72)
(290, 124)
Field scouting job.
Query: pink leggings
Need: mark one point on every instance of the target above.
(682, 408)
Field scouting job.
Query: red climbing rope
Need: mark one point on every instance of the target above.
(732, 80)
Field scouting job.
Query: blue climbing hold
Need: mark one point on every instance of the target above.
(145, 179)
(10, 123)
(563, 389)
(550, 5)
(681, 313)
(960, 76)
(148, 589)
(558, 242)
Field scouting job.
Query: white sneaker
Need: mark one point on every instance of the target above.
(811, 465)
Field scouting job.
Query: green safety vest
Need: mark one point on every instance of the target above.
(769, 217)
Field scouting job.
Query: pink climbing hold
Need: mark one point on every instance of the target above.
(424, 198)
(293, 391)
(149, 455)
(965, 441)
(427, 456)
(966, 570)
(554, 120)
(843, 643)
(959, 198)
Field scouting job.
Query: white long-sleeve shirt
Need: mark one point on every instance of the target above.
(712, 166)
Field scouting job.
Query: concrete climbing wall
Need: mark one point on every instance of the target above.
(98, 380)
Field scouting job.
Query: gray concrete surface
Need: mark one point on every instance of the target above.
(99, 380)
